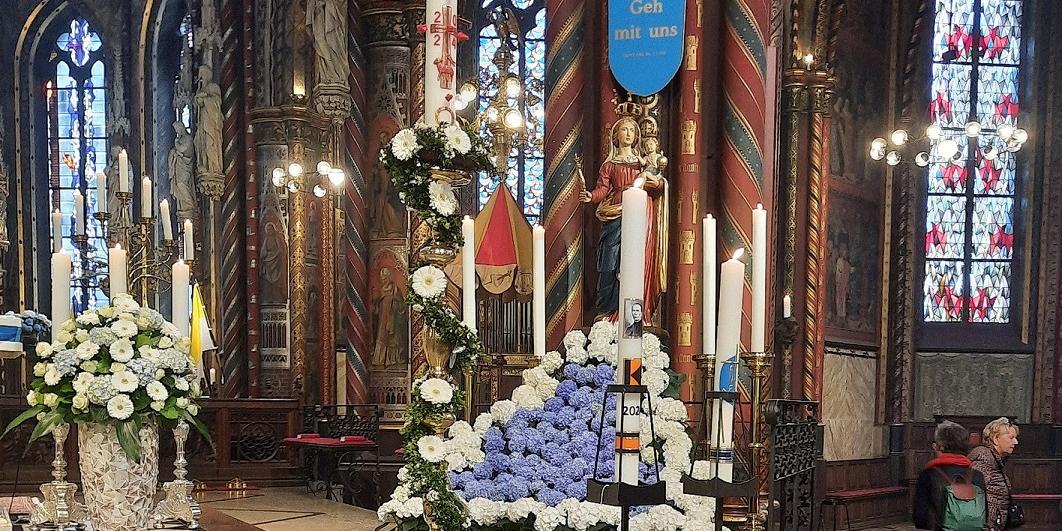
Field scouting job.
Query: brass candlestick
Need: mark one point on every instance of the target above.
(178, 505)
(758, 364)
(59, 510)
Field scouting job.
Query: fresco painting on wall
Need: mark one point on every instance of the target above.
(853, 268)
(390, 318)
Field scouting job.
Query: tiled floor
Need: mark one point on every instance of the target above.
(290, 509)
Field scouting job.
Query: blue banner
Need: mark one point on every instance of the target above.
(645, 42)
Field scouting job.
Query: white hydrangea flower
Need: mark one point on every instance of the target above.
(124, 381)
(456, 461)
(668, 409)
(122, 350)
(551, 362)
(548, 519)
(170, 330)
(404, 144)
(429, 282)
(547, 388)
(431, 448)
(486, 512)
(656, 380)
(502, 411)
(578, 355)
(526, 397)
(157, 391)
(650, 344)
(483, 423)
(519, 509)
(120, 407)
(603, 331)
(442, 197)
(436, 391)
(575, 339)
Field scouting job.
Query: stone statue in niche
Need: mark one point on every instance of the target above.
(388, 304)
(114, 206)
(326, 21)
(118, 122)
(207, 37)
(208, 126)
(182, 171)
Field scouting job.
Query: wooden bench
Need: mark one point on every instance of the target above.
(840, 499)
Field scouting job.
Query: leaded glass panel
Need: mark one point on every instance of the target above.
(997, 90)
(950, 104)
(1000, 31)
(953, 29)
(943, 291)
(990, 292)
(946, 227)
(995, 177)
(993, 228)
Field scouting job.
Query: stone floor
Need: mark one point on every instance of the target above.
(290, 509)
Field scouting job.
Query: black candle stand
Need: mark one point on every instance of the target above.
(617, 493)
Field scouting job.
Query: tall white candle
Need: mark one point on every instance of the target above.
(146, 198)
(731, 300)
(633, 226)
(538, 301)
(167, 225)
(440, 56)
(468, 273)
(61, 311)
(79, 213)
(57, 231)
(214, 378)
(710, 283)
(189, 241)
(181, 276)
(124, 179)
(787, 307)
(759, 279)
(101, 192)
(119, 273)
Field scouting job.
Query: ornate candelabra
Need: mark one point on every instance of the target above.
(178, 505)
(59, 510)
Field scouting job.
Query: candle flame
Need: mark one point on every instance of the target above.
(638, 183)
(739, 253)
(118, 246)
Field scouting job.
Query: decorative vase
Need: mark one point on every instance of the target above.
(118, 492)
(437, 353)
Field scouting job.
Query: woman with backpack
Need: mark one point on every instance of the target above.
(950, 495)
(999, 439)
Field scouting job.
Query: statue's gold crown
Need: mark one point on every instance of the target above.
(630, 108)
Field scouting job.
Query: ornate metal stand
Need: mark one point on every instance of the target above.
(59, 510)
(179, 505)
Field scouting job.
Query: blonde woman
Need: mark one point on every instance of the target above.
(999, 439)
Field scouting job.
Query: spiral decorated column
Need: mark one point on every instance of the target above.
(565, 79)
(353, 241)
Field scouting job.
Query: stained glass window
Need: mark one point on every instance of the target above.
(970, 202)
(76, 100)
(523, 23)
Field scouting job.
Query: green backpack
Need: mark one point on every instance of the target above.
(964, 504)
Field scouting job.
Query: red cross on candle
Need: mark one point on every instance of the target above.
(446, 64)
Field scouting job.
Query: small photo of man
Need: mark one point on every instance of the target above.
(632, 323)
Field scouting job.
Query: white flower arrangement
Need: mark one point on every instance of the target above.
(404, 144)
(112, 366)
(436, 391)
(462, 449)
(443, 199)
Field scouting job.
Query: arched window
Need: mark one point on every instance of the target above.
(76, 100)
(972, 205)
(523, 27)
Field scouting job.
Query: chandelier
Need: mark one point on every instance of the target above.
(941, 147)
(508, 115)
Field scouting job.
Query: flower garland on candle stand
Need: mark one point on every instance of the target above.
(426, 163)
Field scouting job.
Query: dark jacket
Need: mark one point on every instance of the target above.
(930, 492)
(986, 461)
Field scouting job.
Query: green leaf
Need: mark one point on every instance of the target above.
(99, 414)
(26, 415)
(170, 412)
(47, 423)
(199, 426)
(129, 438)
(674, 386)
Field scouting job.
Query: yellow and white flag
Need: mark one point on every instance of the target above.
(201, 339)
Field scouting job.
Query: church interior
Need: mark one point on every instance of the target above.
(527, 264)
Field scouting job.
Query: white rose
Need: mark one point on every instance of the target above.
(436, 391)
(429, 282)
(122, 350)
(125, 303)
(159, 373)
(124, 381)
(90, 366)
(81, 335)
(431, 448)
(120, 407)
(182, 402)
(117, 367)
(157, 406)
(181, 384)
(68, 325)
(80, 402)
(63, 337)
(165, 342)
(52, 377)
(106, 312)
(44, 349)
(89, 318)
(183, 345)
(50, 400)
(194, 391)
(193, 409)
(40, 369)
(32, 398)
(157, 391)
